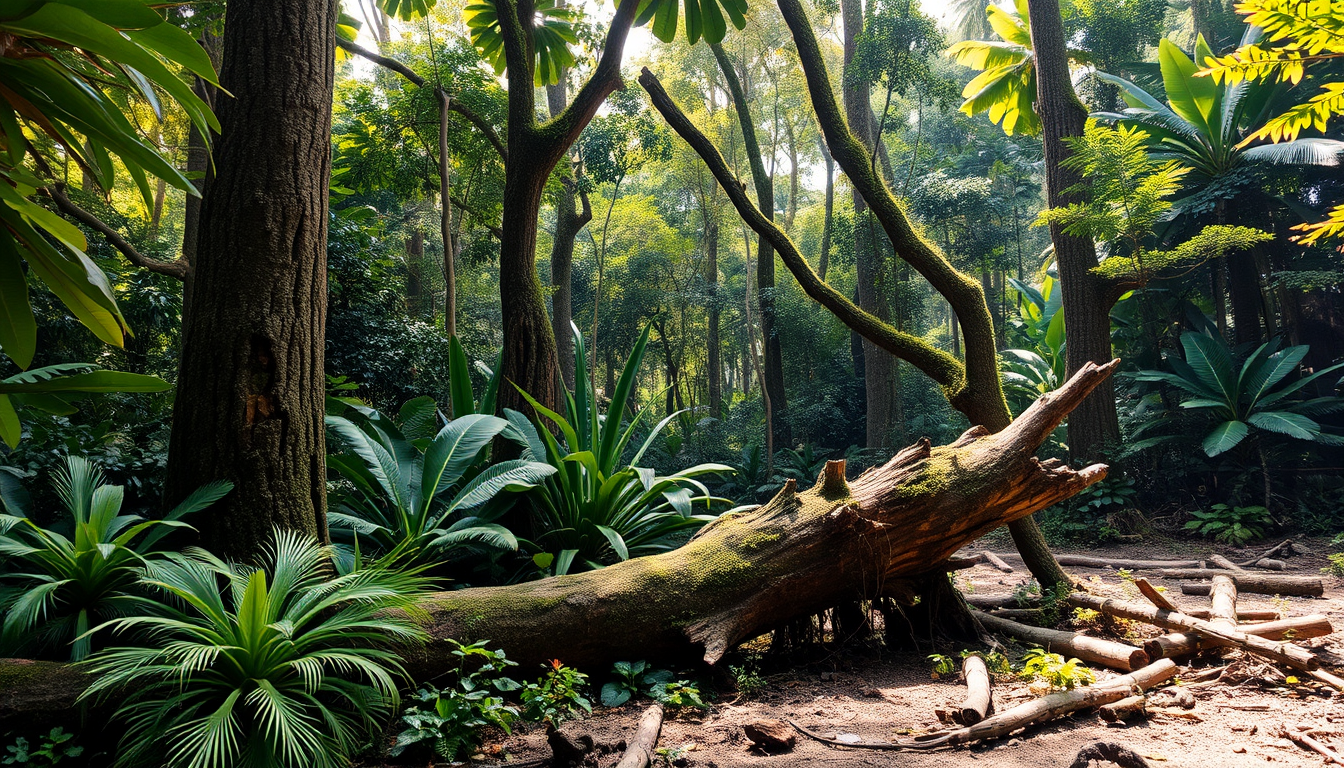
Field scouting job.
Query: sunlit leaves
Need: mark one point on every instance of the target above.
(552, 33)
(1006, 85)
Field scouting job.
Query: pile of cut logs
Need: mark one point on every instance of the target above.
(1265, 634)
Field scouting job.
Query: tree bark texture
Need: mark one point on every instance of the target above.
(199, 167)
(878, 380)
(533, 150)
(250, 386)
(1087, 321)
(802, 552)
(765, 254)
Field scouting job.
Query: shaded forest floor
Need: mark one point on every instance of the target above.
(878, 694)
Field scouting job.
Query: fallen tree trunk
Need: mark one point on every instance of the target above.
(1129, 708)
(997, 562)
(1280, 652)
(886, 534)
(1185, 643)
(1096, 650)
(1257, 583)
(1242, 615)
(993, 602)
(743, 574)
(1223, 562)
(1036, 711)
(1223, 603)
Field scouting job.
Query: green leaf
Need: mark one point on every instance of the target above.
(18, 328)
(1224, 437)
(93, 381)
(459, 380)
(10, 431)
(1285, 423)
(1193, 98)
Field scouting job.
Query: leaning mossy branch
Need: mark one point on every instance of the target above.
(1125, 273)
(982, 399)
(938, 365)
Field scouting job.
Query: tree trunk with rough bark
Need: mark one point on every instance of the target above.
(713, 345)
(569, 221)
(1087, 322)
(249, 405)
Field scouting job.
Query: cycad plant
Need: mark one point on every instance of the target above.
(283, 665)
(420, 492)
(56, 584)
(1254, 395)
(598, 506)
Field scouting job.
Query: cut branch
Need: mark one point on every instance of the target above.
(639, 754)
(1037, 711)
(1258, 583)
(979, 702)
(1180, 644)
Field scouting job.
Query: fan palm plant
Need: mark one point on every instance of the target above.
(287, 664)
(1204, 125)
(55, 587)
(596, 505)
(409, 488)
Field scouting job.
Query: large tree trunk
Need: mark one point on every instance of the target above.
(889, 533)
(1087, 326)
(1245, 295)
(569, 221)
(249, 403)
(199, 168)
(878, 379)
(773, 373)
(744, 574)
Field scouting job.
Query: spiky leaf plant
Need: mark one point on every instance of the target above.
(287, 664)
(57, 583)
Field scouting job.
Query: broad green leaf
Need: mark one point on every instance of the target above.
(18, 328)
(1225, 437)
(1285, 423)
(93, 381)
(1193, 98)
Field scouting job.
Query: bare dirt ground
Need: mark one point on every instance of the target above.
(880, 695)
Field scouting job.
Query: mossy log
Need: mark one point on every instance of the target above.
(802, 552)
(886, 534)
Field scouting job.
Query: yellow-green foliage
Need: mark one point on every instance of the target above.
(1212, 242)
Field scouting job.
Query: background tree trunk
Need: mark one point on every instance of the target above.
(773, 373)
(568, 223)
(250, 388)
(714, 351)
(878, 367)
(1087, 322)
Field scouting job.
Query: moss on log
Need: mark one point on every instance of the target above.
(804, 551)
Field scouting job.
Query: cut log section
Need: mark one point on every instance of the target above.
(1155, 597)
(1126, 709)
(997, 562)
(1257, 583)
(1095, 650)
(1281, 652)
(1223, 562)
(1223, 603)
(1270, 564)
(979, 702)
(1180, 644)
(1037, 711)
(639, 753)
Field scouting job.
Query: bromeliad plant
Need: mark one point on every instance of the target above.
(56, 585)
(287, 664)
(410, 489)
(596, 506)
